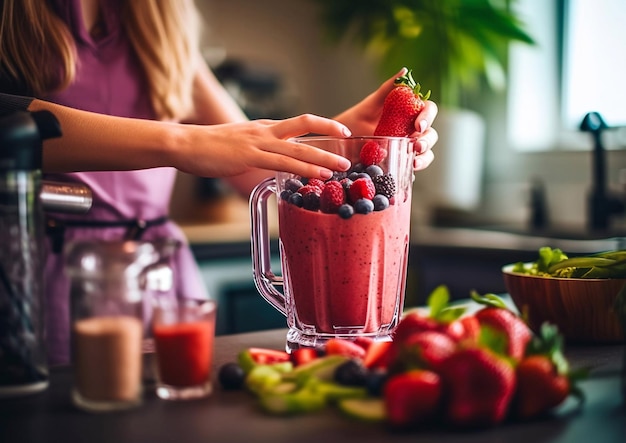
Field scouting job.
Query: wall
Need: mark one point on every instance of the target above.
(283, 35)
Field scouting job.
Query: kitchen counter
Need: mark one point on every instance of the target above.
(229, 416)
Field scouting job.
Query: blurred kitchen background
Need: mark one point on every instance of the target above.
(517, 174)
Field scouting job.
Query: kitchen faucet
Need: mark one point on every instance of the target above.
(602, 203)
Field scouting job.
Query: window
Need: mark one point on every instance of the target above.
(575, 68)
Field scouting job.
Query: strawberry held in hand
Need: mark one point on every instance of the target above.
(401, 107)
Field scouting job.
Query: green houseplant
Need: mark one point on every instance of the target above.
(455, 48)
(452, 45)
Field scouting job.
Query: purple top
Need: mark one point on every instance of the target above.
(110, 81)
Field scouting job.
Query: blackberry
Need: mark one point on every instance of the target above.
(385, 185)
(351, 373)
(381, 202)
(363, 206)
(338, 176)
(311, 201)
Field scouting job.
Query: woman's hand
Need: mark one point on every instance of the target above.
(232, 149)
(363, 117)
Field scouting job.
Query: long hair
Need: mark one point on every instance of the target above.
(38, 50)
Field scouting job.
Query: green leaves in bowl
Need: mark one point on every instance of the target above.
(555, 263)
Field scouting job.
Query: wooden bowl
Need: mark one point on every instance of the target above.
(583, 309)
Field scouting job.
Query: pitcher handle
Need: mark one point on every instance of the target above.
(264, 278)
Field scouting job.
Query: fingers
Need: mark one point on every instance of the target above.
(309, 123)
(426, 117)
(422, 161)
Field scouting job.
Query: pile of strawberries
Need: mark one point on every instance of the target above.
(468, 370)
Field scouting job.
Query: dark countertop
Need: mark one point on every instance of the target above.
(233, 417)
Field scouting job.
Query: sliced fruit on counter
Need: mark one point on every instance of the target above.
(370, 409)
(251, 357)
(469, 370)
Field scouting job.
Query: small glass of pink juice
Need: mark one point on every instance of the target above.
(183, 333)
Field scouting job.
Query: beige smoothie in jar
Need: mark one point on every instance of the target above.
(107, 361)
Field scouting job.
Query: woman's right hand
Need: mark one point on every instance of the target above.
(232, 149)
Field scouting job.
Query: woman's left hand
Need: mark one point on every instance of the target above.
(363, 117)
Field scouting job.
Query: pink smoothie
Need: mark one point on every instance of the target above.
(345, 275)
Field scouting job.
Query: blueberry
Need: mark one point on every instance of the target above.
(351, 373)
(374, 170)
(380, 202)
(375, 381)
(231, 376)
(293, 184)
(353, 175)
(345, 211)
(358, 167)
(296, 199)
(363, 206)
(285, 194)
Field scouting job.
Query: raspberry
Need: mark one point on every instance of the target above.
(332, 197)
(308, 189)
(317, 183)
(372, 153)
(385, 185)
(362, 188)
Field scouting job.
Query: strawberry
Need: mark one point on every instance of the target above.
(442, 317)
(479, 387)
(402, 105)
(362, 188)
(346, 348)
(379, 354)
(303, 355)
(427, 349)
(499, 318)
(412, 397)
(539, 387)
(332, 197)
(372, 153)
(264, 356)
(364, 341)
(413, 322)
(544, 380)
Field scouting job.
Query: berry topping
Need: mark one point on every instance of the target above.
(293, 184)
(372, 153)
(374, 170)
(380, 202)
(363, 206)
(311, 201)
(345, 211)
(296, 199)
(385, 185)
(317, 183)
(332, 197)
(362, 188)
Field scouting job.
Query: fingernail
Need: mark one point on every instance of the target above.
(326, 173)
(344, 164)
(346, 132)
(423, 125)
(417, 164)
(423, 146)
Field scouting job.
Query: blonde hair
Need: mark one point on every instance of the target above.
(37, 49)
